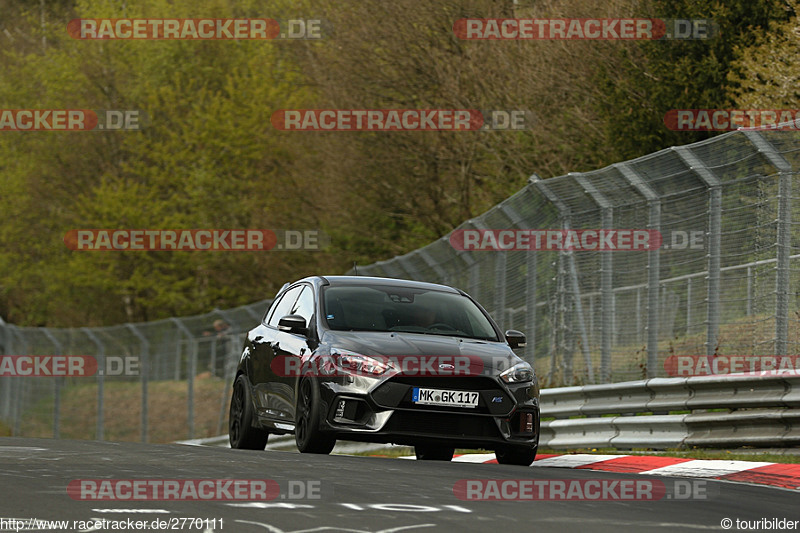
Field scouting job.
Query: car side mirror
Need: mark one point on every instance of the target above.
(515, 339)
(293, 324)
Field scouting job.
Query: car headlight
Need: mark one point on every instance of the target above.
(358, 364)
(519, 373)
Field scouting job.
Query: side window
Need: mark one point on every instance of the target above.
(284, 306)
(305, 305)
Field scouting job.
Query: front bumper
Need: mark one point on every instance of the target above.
(369, 410)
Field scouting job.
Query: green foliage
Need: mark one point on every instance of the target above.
(658, 76)
(209, 157)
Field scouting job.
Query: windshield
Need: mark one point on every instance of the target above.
(402, 309)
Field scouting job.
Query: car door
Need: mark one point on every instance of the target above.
(263, 340)
(291, 348)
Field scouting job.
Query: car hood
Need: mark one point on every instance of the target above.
(494, 355)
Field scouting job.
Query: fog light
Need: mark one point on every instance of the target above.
(526, 423)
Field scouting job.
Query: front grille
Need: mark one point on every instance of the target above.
(442, 424)
(445, 382)
(397, 392)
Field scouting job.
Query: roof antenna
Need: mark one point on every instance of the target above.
(355, 268)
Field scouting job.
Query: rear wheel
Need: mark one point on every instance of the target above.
(516, 455)
(433, 452)
(307, 435)
(241, 432)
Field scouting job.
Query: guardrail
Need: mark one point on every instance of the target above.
(759, 410)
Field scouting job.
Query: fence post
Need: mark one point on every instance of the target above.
(638, 314)
(57, 384)
(396, 269)
(5, 381)
(530, 306)
(784, 242)
(653, 264)
(101, 355)
(20, 384)
(144, 367)
(606, 279)
(500, 288)
(714, 242)
(573, 277)
(433, 265)
(688, 305)
(190, 377)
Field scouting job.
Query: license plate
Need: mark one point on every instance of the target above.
(447, 398)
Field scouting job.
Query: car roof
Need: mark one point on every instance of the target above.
(336, 281)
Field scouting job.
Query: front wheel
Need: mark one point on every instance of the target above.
(307, 435)
(242, 434)
(432, 452)
(516, 455)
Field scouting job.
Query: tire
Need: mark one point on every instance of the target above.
(516, 455)
(307, 435)
(433, 452)
(242, 434)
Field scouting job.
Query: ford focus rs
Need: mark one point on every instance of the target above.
(384, 360)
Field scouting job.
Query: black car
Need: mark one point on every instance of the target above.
(389, 361)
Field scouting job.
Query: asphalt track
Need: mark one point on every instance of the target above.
(357, 494)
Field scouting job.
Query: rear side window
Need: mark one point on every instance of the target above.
(284, 306)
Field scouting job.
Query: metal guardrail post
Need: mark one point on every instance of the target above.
(653, 264)
(144, 367)
(57, 384)
(783, 244)
(606, 279)
(714, 242)
(101, 355)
